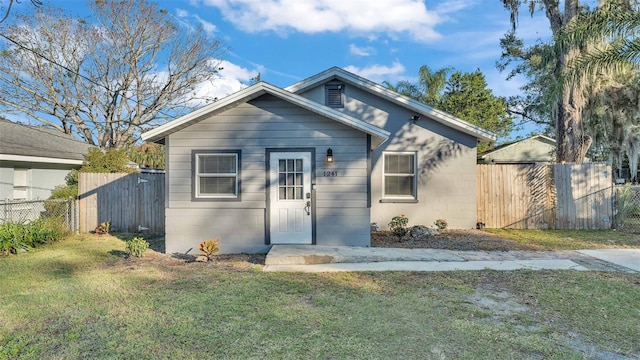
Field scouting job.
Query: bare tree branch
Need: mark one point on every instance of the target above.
(104, 82)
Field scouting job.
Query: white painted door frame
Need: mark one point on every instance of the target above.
(290, 197)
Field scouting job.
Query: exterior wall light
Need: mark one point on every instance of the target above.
(329, 155)
(415, 118)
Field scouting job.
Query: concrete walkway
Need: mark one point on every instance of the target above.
(316, 258)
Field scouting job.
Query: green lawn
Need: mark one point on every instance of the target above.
(80, 298)
(570, 239)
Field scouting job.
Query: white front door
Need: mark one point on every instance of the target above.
(290, 197)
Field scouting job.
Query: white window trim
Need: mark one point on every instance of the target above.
(415, 175)
(199, 175)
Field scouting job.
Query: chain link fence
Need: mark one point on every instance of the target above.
(66, 211)
(627, 205)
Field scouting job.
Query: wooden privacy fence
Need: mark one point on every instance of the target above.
(560, 196)
(131, 202)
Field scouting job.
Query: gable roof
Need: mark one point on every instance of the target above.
(378, 135)
(19, 142)
(336, 73)
(504, 146)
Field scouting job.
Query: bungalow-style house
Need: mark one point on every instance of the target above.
(34, 160)
(538, 149)
(314, 163)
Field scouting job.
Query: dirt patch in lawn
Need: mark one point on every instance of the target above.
(473, 240)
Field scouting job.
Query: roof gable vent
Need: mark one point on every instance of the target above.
(335, 95)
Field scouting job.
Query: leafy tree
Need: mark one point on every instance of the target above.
(608, 36)
(613, 115)
(96, 161)
(428, 89)
(567, 98)
(149, 155)
(467, 97)
(464, 95)
(104, 82)
(110, 161)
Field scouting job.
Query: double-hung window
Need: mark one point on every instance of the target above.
(399, 175)
(216, 174)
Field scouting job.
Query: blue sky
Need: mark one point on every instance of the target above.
(289, 40)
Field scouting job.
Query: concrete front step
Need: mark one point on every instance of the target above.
(319, 254)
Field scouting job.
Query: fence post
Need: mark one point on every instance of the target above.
(76, 216)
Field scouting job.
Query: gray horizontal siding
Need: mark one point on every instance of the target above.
(190, 227)
(252, 127)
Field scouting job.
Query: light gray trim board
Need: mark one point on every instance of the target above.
(379, 135)
(336, 73)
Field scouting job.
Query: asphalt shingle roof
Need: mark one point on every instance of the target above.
(25, 140)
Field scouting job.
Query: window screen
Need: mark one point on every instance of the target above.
(216, 175)
(400, 175)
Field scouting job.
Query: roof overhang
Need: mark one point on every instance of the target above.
(378, 135)
(449, 120)
(39, 159)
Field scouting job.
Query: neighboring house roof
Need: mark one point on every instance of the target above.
(19, 142)
(506, 147)
(378, 135)
(336, 73)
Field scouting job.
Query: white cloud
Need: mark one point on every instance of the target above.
(230, 79)
(183, 17)
(379, 73)
(452, 6)
(208, 27)
(181, 13)
(361, 51)
(392, 17)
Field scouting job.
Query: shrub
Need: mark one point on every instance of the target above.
(110, 161)
(18, 236)
(13, 238)
(209, 248)
(103, 228)
(398, 225)
(441, 224)
(136, 247)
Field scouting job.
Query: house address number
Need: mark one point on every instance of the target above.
(330, 173)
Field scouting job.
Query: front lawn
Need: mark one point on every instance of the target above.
(80, 298)
(570, 239)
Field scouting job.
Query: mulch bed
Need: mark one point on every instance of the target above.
(472, 240)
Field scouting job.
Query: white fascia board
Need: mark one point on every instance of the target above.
(39, 159)
(394, 97)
